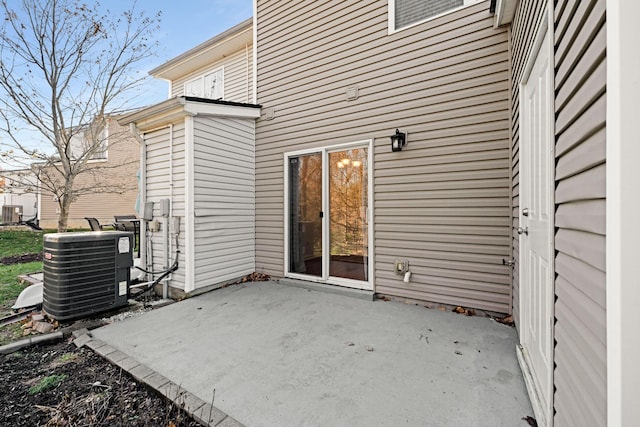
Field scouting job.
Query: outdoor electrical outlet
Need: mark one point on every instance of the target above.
(400, 266)
(154, 226)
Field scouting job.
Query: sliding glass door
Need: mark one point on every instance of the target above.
(348, 207)
(328, 215)
(305, 214)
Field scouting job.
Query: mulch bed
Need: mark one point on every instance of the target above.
(91, 392)
(18, 259)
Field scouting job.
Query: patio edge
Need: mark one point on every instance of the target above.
(202, 412)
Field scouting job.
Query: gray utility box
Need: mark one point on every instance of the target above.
(86, 273)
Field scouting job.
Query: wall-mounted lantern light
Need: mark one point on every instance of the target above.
(398, 141)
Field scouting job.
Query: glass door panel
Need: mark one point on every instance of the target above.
(348, 205)
(305, 214)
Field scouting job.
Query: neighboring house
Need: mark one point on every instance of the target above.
(19, 188)
(111, 172)
(513, 112)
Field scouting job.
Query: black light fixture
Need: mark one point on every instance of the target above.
(398, 141)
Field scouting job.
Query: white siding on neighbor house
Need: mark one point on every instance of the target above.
(443, 202)
(238, 76)
(224, 199)
(158, 179)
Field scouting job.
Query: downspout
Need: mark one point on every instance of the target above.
(143, 190)
(38, 202)
(165, 284)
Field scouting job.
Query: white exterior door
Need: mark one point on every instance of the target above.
(536, 233)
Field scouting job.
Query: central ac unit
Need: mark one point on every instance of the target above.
(86, 273)
(11, 214)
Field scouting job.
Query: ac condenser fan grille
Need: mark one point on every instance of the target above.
(81, 273)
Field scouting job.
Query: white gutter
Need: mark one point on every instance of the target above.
(173, 110)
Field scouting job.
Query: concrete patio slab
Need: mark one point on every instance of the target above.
(279, 355)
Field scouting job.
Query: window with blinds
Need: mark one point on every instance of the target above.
(407, 12)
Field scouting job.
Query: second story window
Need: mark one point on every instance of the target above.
(91, 141)
(210, 85)
(404, 13)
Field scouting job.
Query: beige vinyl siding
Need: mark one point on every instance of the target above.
(123, 161)
(224, 199)
(238, 76)
(523, 31)
(580, 107)
(443, 202)
(158, 179)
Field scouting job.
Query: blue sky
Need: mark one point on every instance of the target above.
(185, 24)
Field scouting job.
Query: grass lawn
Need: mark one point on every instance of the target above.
(20, 243)
(15, 243)
(10, 288)
(10, 285)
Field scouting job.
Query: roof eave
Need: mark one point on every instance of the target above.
(218, 46)
(175, 109)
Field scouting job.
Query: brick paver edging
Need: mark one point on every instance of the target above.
(203, 412)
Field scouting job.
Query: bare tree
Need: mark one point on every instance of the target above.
(65, 67)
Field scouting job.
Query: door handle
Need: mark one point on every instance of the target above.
(524, 230)
(525, 212)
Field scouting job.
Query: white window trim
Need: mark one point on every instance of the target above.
(85, 147)
(201, 79)
(106, 150)
(326, 278)
(391, 15)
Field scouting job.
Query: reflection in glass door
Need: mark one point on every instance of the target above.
(305, 214)
(348, 206)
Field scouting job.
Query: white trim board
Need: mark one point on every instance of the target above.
(623, 205)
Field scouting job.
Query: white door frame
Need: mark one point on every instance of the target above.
(544, 415)
(326, 278)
